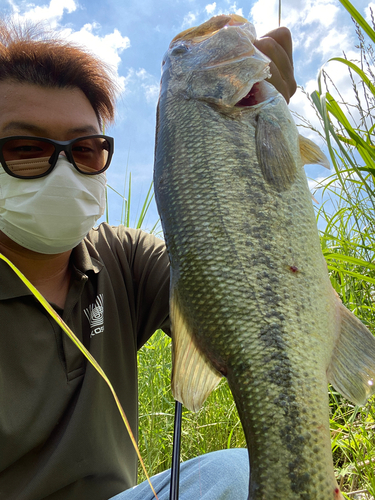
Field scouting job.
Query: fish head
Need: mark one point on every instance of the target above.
(218, 62)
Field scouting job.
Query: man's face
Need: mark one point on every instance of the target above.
(59, 114)
(53, 113)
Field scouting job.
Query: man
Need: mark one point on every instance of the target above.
(61, 436)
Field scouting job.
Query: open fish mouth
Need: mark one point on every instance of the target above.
(251, 99)
(259, 93)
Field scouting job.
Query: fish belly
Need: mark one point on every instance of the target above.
(253, 288)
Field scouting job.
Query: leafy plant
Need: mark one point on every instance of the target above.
(126, 212)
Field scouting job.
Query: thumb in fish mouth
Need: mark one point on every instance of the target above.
(278, 46)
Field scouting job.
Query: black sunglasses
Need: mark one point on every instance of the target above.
(27, 157)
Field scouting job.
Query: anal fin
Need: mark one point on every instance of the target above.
(352, 367)
(193, 376)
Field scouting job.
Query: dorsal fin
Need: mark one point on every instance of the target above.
(311, 153)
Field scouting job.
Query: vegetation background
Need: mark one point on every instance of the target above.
(347, 239)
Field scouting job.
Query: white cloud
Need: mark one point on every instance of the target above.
(141, 82)
(210, 8)
(264, 17)
(304, 113)
(152, 93)
(322, 11)
(333, 44)
(189, 20)
(233, 9)
(50, 14)
(312, 22)
(149, 85)
(107, 47)
(340, 86)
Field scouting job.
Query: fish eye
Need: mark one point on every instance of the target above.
(179, 50)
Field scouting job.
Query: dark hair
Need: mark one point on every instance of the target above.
(31, 54)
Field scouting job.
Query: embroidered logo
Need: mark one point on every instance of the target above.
(95, 314)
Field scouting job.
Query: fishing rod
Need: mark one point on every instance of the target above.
(175, 469)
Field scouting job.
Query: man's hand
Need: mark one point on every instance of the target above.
(277, 45)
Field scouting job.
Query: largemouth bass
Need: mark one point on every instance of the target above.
(251, 298)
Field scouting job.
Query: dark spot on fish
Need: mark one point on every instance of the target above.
(299, 482)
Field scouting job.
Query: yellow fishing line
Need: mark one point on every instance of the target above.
(86, 353)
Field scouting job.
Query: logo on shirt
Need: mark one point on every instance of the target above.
(95, 314)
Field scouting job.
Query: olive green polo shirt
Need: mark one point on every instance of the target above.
(61, 435)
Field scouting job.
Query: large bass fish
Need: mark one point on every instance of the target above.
(251, 298)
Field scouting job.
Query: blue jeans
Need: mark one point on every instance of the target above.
(220, 475)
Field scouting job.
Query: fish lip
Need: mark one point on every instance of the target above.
(262, 103)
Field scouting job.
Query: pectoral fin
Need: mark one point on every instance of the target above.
(193, 376)
(311, 153)
(352, 367)
(274, 156)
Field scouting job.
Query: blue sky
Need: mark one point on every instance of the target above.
(132, 36)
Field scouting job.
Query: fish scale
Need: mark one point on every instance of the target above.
(250, 293)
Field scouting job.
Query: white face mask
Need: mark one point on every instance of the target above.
(51, 214)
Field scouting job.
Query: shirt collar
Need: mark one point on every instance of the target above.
(11, 285)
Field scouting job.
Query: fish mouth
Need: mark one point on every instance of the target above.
(259, 93)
